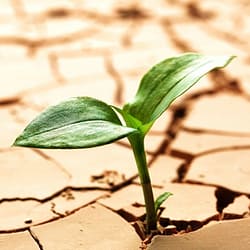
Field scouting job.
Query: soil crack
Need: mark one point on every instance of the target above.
(36, 239)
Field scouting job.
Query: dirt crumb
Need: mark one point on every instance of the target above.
(109, 177)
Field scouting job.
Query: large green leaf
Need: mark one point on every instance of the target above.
(76, 123)
(168, 80)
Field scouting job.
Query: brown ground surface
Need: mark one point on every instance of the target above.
(199, 149)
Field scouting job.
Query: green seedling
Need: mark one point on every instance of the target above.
(85, 122)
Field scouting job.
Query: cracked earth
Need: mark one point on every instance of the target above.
(199, 149)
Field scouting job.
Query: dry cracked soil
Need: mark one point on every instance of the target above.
(199, 149)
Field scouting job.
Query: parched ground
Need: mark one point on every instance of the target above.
(199, 149)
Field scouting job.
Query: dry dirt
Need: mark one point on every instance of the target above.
(199, 149)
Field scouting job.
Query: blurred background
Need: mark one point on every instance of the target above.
(47, 44)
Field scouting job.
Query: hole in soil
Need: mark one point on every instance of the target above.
(224, 198)
(28, 221)
(182, 226)
(180, 112)
(227, 216)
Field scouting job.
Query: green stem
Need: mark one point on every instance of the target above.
(137, 143)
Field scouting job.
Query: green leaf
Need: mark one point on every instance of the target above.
(129, 119)
(133, 122)
(76, 123)
(160, 199)
(168, 80)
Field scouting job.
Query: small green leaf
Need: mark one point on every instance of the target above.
(160, 199)
(168, 80)
(133, 122)
(129, 119)
(76, 123)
